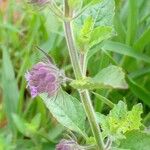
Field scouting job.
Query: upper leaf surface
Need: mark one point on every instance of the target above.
(120, 120)
(67, 110)
(136, 140)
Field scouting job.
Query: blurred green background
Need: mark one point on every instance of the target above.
(26, 123)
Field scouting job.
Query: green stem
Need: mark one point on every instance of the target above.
(83, 63)
(72, 50)
(86, 100)
(104, 100)
(84, 94)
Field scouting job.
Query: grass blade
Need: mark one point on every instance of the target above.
(10, 89)
(125, 50)
(142, 41)
(139, 91)
(132, 22)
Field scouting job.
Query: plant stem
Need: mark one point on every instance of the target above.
(85, 97)
(72, 51)
(83, 63)
(84, 94)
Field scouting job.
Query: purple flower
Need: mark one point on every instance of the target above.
(68, 145)
(39, 2)
(44, 78)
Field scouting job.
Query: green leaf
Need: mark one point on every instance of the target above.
(132, 22)
(26, 128)
(103, 121)
(119, 111)
(136, 140)
(102, 12)
(36, 121)
(10, 87)
(134, 117)
(140, 72)
(98, 28)
(20, 124)
(120, 120)
(139, 91)
(111, 76)
(85, 33)
(142, 41)
(67, 110)
(125, 50)
(99, 34)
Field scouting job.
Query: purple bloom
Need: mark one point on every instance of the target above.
(68, 145)
(44, 78)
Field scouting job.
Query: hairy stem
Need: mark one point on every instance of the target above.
(72, 51)
(83, 63)
(84, 94)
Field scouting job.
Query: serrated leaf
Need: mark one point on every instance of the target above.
(67, 110)
(119, 111)
(134, 117)
(111, 76)
(99, 28)
(136, 140)
(123, 120)
(120, 120)
(102, 12)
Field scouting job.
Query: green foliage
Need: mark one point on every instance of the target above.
(136, 140)
(124, 50)
(141, 92)
(110, 77)
(10, 87)
(27, 129)
(23, 27)
(85, 34)
(67, 110)
(102, 12)
(95, 28)
(120, 120)
(99, 34)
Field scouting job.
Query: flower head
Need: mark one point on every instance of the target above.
(44, 78)
(68, 145)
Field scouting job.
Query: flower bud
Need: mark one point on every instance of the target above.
(44, 78)
(68, 145)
